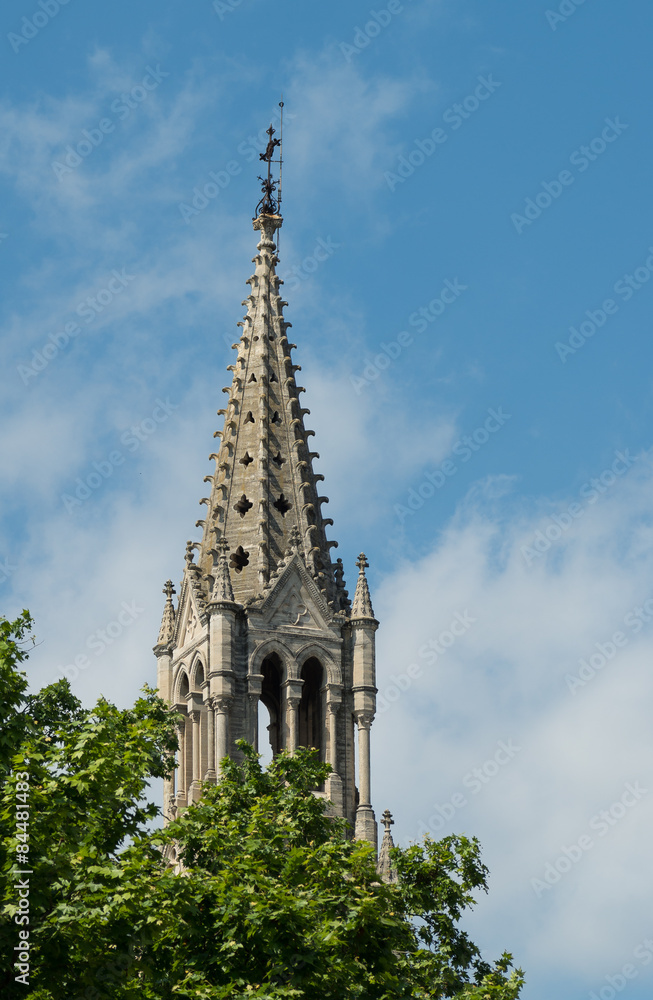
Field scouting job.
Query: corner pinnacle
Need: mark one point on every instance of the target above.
(362, 605)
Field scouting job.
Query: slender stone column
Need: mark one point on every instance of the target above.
(332, 708)
(292, 704)
(181, 764)
(253, 720)
(254, 688)
(365, 827)
(221, 709)
(169, 802)
(196, 716)
(334, 787)
(364, 723)
(210, 742)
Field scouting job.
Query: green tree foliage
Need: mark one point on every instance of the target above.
(253, 892)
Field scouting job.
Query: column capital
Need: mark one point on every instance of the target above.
(221, 705)
(364, 719)
(293, 690)
(195, 715)
(334, 696)
(254, 685)
(194, 702)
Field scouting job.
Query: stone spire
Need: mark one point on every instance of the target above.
(167, 629)
(264, 622)
(362, 606)
(222, 589)
(385, 867)
(264, 490)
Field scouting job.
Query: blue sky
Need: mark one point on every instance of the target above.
(499, 154)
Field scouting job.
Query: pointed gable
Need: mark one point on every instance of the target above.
(294, 600)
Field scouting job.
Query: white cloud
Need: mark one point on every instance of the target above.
(504, 680)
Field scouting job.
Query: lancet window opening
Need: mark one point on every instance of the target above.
(311, 708)
(272, 670)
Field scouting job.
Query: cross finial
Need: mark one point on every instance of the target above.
(387, 820)
(169, 589)
(222, 545)
(362, 562)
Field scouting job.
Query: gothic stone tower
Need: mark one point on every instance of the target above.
(263, 614)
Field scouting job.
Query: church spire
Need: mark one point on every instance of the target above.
(264, 622)
(264, 488)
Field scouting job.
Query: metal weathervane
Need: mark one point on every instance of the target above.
(270, 203)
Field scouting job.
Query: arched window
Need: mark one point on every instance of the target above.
(271, 668)
(310, 707)
(199, 676)
(184, 686)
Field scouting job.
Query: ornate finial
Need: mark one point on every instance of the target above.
(269, 203)
(294, 541)
(362, 606)
(385, 867)
(222, 589)
(167, 629)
